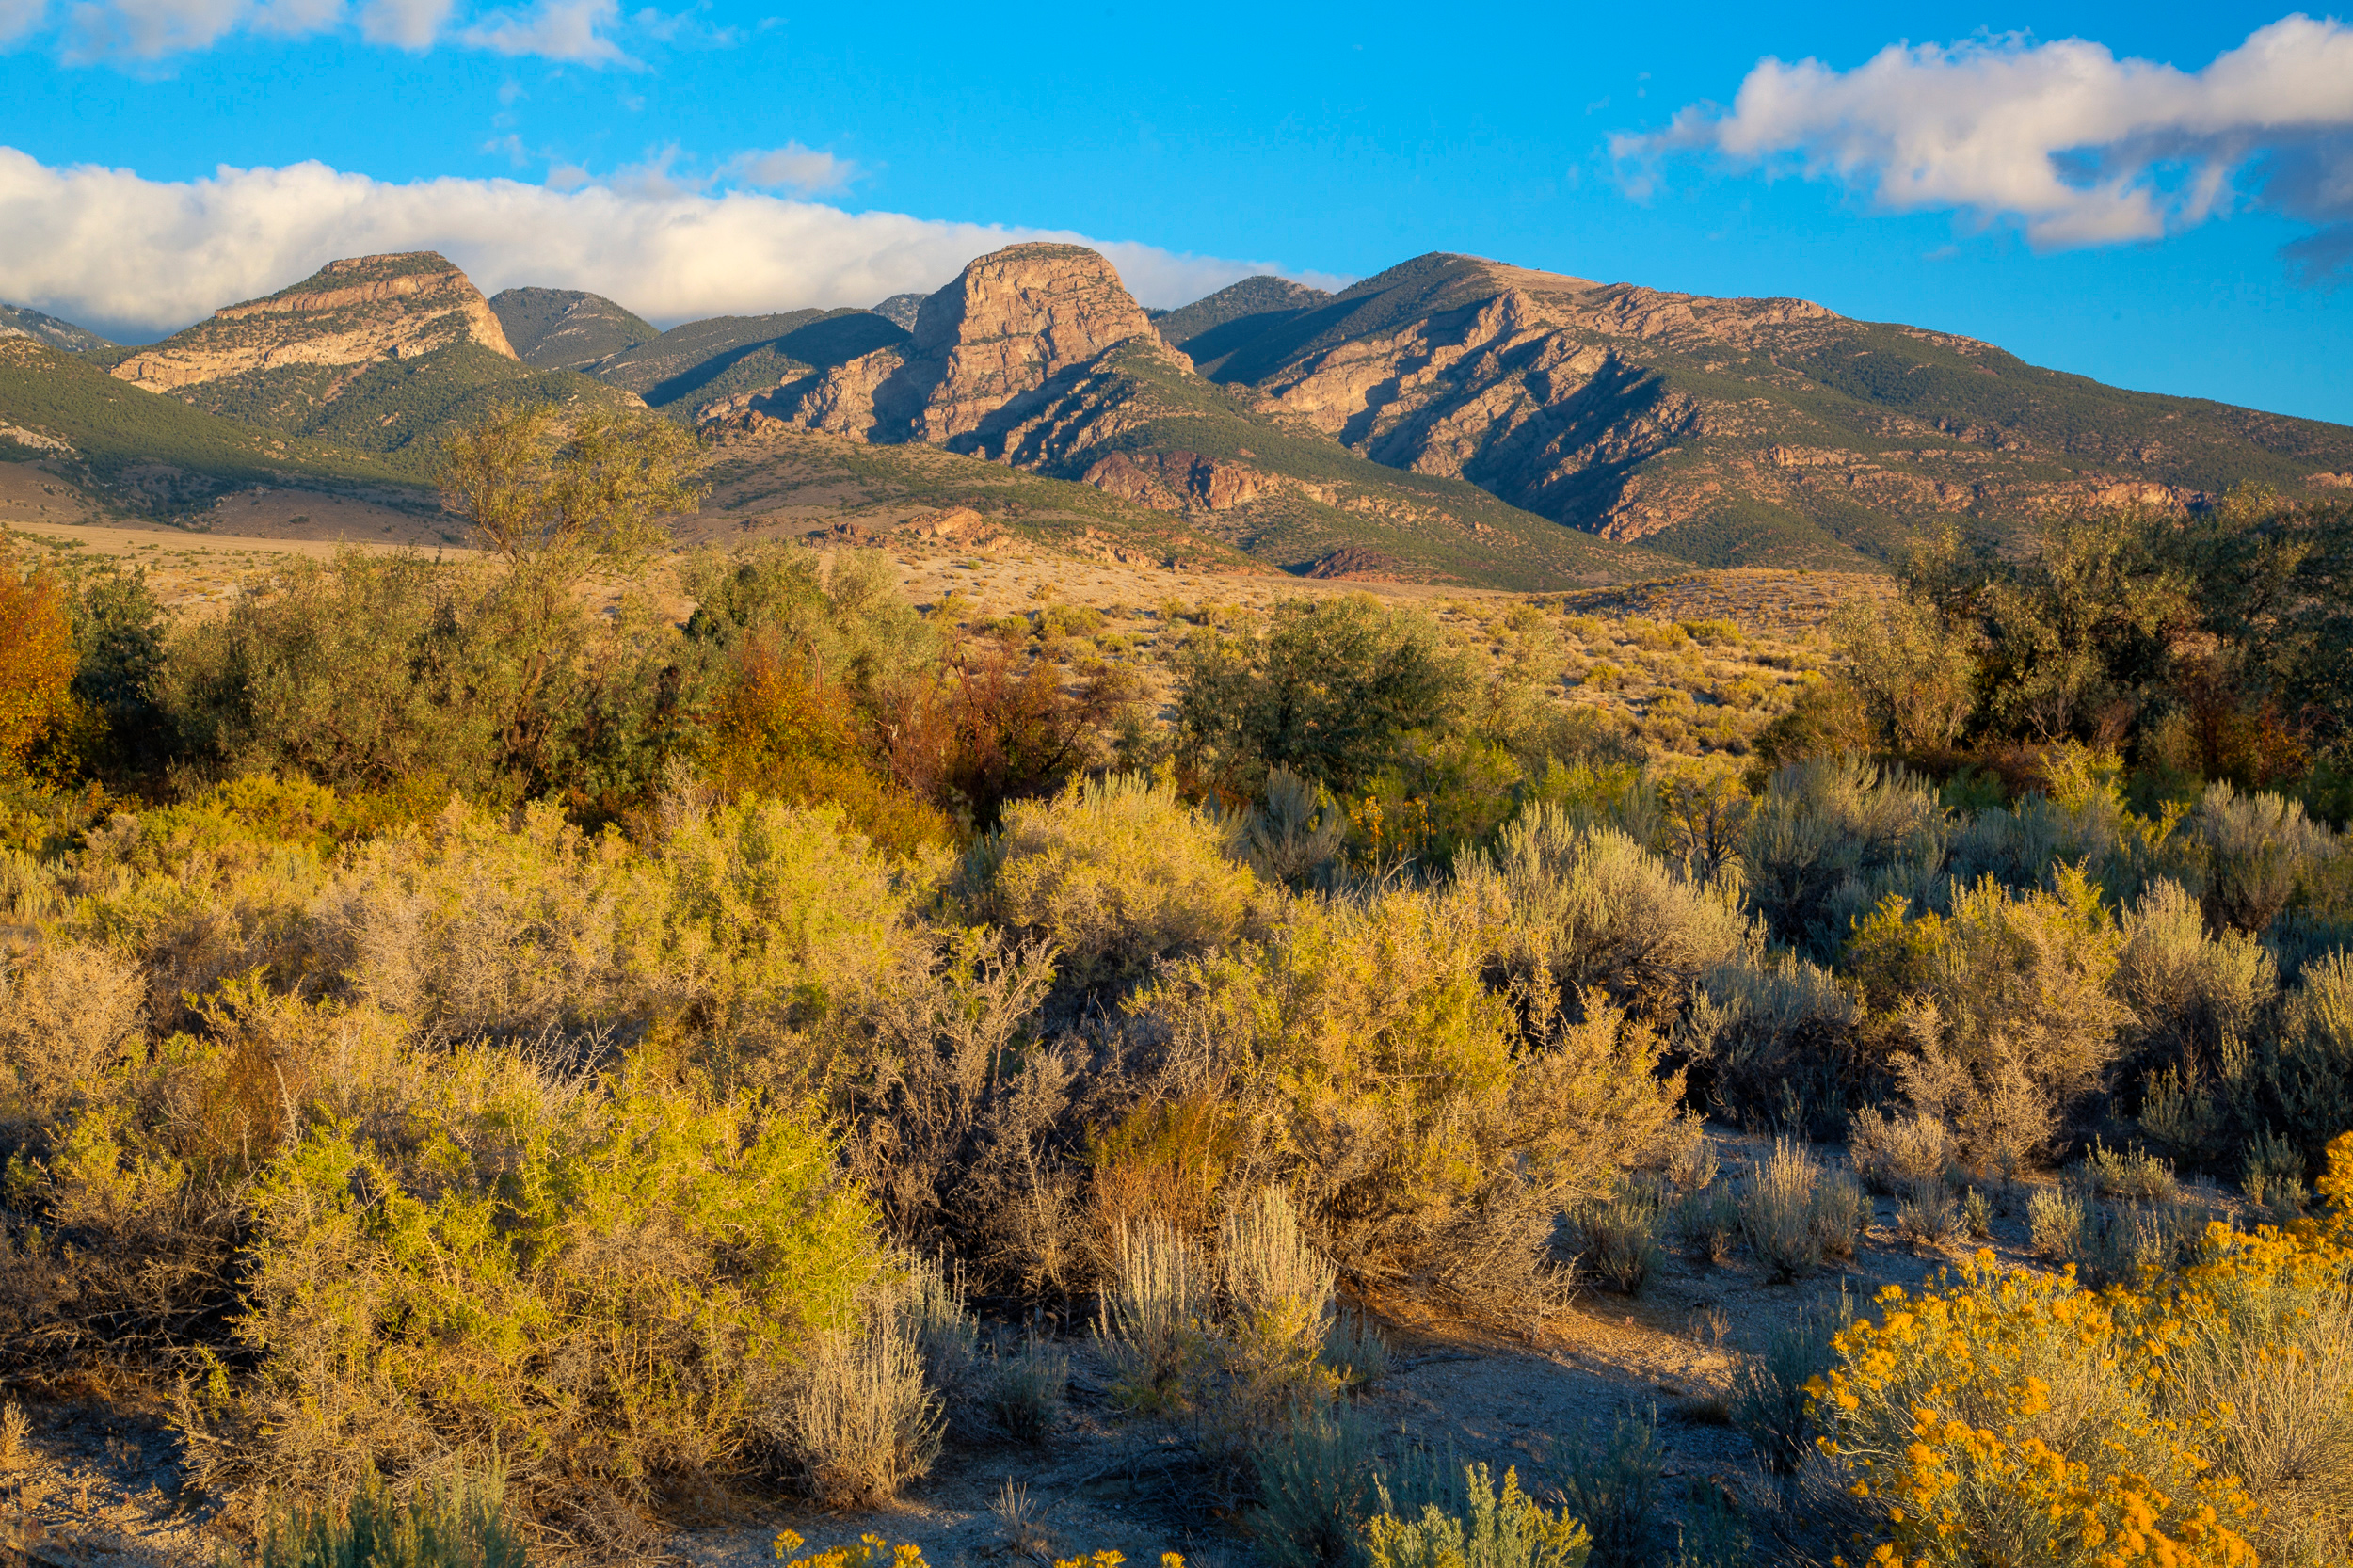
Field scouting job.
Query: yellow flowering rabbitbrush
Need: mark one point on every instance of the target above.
(2012, 1417)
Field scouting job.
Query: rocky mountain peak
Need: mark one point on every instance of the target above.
(350, 312)
(1010, 322)
(1067, 299)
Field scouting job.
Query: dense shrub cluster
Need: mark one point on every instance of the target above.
(442, 1026)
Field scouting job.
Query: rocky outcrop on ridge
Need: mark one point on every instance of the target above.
(1010, 322)
(900, 309)
(349, 313)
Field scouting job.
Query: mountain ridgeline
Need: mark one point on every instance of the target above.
(1453, 418)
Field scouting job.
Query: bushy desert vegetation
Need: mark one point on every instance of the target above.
(451, 1035)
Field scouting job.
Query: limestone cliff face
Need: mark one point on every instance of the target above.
(1014, 320)
(352, 312)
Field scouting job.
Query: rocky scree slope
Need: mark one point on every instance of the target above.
(567, 329)
(1037, 357)
(1730, 431)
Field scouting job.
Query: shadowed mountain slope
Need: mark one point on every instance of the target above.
(1037, 357)
(567, 329)
(704, 360)
(19, 321)
(1732, 431)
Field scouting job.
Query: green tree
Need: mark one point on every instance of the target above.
(1331, 691)
(566, 491)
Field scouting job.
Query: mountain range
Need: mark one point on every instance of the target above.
(1450, 418)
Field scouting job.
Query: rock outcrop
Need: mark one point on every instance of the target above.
(1510, 378)
(1012, 322)
(349, 315)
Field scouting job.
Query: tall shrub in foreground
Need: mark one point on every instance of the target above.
(602, 1289)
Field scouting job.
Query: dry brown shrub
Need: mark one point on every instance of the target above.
(69, 1011)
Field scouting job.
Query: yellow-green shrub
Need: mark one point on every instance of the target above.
(1421, 1119)
(600, 1285)
(1119, 874)
(2009, 1014)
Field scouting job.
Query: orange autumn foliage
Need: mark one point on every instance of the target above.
(37, 664)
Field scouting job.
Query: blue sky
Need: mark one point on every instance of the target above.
(2184, 230)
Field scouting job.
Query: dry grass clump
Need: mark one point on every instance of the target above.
(860, 1421)
(460, 1524)
(1621, 1240)
(14, 1429)
(1706, 1224)
(2129, 1173)
(1842, 1212)
(1928, 1217)
(1892, 1153)
(1782, 1211)
(1152, 1307)
(2055, 1222)
(1026, 1390)
(1245, 1341)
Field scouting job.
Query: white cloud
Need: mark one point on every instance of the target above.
(2076, 146)
(791, 168)
(107, 249)
(403, 23)
(584, 32)
(20, 17)
(146, 29)
(553, 29)
(296, 17)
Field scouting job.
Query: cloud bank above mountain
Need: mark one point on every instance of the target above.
(2075, 146)
(129, 255)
